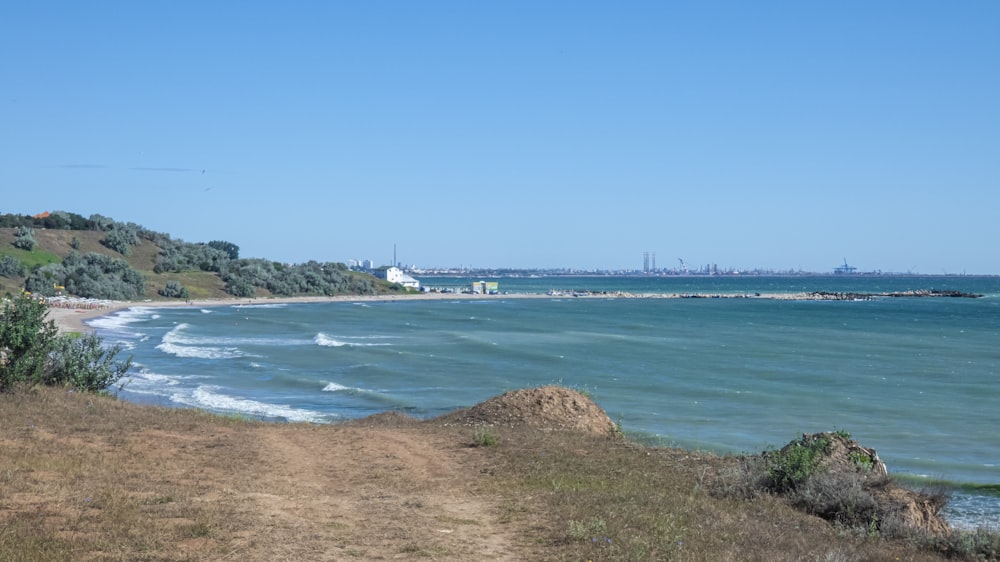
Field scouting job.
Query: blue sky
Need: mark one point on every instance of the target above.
(518, 134)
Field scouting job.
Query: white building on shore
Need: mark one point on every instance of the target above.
(396, 275)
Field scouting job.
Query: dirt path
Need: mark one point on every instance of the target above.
(371, 493)
(99, 479)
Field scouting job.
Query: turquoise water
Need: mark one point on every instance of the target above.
(912, 377)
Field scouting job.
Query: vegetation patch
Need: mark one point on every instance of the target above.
(33, 353)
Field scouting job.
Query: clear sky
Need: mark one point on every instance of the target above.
(518, 134)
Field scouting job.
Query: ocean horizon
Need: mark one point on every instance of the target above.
(912, 377)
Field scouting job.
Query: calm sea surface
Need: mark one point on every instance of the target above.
(915, 378)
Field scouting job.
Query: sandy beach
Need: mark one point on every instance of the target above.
(69, 318)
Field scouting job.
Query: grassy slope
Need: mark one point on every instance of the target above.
(92, 478)
(54, 245)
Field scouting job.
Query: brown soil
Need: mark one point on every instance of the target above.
(551, 408)
(91, 478)
(386, 487)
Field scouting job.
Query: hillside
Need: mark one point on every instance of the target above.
(203, 271)
(55, 245)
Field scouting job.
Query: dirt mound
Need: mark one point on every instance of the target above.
(843, 454)
(891, 503)
(551, 408)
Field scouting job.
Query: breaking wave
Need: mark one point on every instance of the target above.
(208, 397)
(175, 343)
(324, 340)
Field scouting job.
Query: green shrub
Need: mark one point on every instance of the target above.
(33, 352)
(484, 438)
(24, 238)
(118, 241)
(174, 290)
(85, 364)
(26, 339)
(11, 267)
(791, 466)
(91, 275)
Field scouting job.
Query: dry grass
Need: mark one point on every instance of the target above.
(92, 478)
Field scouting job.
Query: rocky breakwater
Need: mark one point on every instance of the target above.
(835, 296)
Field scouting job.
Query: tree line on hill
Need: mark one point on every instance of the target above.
(103, 276)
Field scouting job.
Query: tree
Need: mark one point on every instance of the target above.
(174, 290)
(24, 238)
(26, 339)
(117, 240)
(11, 267)
(232, 250)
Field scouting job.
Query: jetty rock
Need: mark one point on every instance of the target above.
(549, 408)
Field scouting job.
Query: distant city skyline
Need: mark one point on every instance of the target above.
(519, 135)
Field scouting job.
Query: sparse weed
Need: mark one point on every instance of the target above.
(484, 437)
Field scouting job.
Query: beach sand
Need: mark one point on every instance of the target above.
(69, 319)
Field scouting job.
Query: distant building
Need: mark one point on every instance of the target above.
(485, 287)
(396, 275)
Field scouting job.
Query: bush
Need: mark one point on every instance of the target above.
(24, 238)
(174, 290)
(26, 339)
(484, 438)
(837, 496)
(85, 364)
(791, 466)
(11, 267)
(92, 275)
(33, 352)
(118, 241)
(230, 249)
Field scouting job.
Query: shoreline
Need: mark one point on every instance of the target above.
(71, 316)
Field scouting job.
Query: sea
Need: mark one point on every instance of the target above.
(915, 378)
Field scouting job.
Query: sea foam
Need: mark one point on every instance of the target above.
(176, 343)
(324, 340)
(119, 322)
(209, 397)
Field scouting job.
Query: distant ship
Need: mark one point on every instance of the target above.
(844, 269)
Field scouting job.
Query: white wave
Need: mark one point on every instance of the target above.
(155, 317)
(206, 311)
(334, 387)
(255, 365)
(324, 340)
(120, 321)
(175, 342)
(180, 336)
(199, 352)
(147, 382)
(272, 305)
(209, 397)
